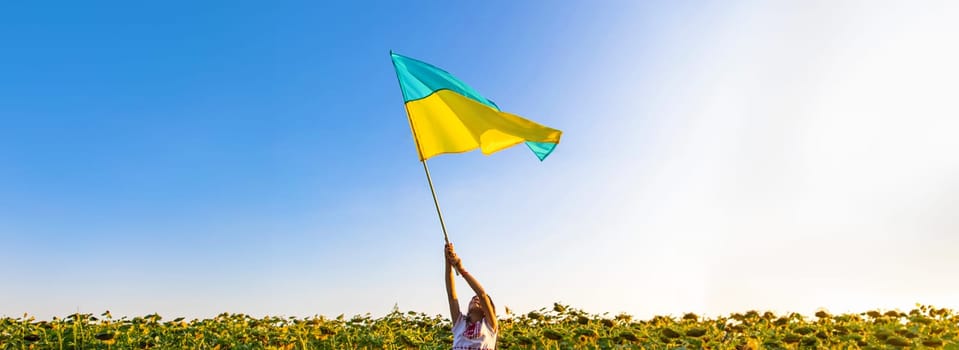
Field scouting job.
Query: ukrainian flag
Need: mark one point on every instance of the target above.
(447, 116)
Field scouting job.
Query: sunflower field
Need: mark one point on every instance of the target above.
(558, 327)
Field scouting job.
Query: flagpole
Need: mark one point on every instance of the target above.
(435, 201)
(426, 169)
(429, 180)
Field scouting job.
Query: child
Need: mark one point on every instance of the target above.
(477, 329)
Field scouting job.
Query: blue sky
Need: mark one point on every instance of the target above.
(191, 159)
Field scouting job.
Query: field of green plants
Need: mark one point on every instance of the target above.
(559, 327)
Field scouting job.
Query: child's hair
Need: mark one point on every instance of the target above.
(491, 304)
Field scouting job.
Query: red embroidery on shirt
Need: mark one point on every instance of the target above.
(472, 329)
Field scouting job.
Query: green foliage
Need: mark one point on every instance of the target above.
(558, 327)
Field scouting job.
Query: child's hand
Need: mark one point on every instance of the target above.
(451, 257)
